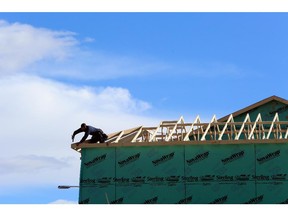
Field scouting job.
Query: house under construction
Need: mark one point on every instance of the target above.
(240, 158)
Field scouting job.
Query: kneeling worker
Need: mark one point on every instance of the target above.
(97, 134)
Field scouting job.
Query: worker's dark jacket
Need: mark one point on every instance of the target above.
(89, 130)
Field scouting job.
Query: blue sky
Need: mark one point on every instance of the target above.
(117, 71)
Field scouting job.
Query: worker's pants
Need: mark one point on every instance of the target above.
(97, 136)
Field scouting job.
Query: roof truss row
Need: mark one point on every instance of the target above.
(168, 131)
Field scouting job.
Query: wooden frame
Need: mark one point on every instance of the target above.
(168, 132)
(222, 131)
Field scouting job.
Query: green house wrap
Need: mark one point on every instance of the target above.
(241, 158)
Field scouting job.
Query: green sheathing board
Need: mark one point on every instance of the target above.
(97, 175)
(271, 173)
(142, 168)
(213, 173)
(219, 173)
(267, 111)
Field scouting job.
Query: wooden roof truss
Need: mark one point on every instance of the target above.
(178, 130)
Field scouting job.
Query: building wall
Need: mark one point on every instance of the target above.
(209, 173)
(244, 173)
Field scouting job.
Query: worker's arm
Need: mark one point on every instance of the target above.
(84, 137)
(76, 132)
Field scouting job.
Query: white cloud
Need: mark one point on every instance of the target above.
(40, 111)
(211, 70)
(89, 40)
(38, 115)
(21, 45)
(60, 201)
(27, 49)
(96, 65)
(31, 163)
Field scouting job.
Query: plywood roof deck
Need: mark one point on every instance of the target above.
(221, 131)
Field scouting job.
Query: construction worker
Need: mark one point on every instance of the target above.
(97, 134)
